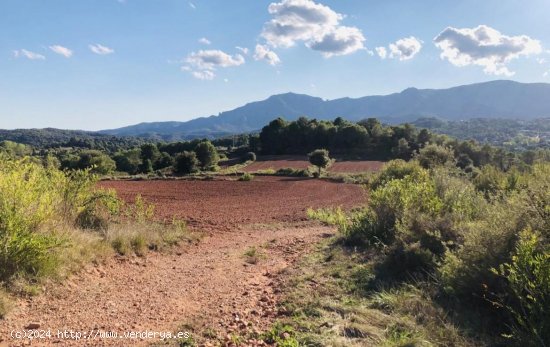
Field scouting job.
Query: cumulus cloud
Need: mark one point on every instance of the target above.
(484, 46)
(382, 52)
(204, 41)
(405, 49)
(28, 54)
(100, 49)
(316, 25)
(64, 51)
(341, 41)
(263, 52)
(204, 63)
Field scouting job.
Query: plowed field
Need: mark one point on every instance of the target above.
(224, 204)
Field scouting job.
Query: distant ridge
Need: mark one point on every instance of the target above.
(496, 99)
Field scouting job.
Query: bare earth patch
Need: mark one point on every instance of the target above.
(356, 166)
(276, 162)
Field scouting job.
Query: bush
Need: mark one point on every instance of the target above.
(394, 170)
(186, 163)
(34, 202)
(528, 295)
(246, 177)
(435, 155)
(250, 156)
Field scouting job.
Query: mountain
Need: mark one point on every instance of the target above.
(496, 99)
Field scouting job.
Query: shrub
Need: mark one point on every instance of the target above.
(396, 169)
(528, 295)
(34, 201)
(246, 177)
(490, 180)
(250, 156)
(186, 163)
(434, 155)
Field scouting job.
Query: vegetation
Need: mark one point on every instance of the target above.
(186, 163)
(508, 133)
(477, 240)
(246, 177)
(320, 158)
(52, 222)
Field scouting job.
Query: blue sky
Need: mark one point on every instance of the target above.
(97, 64)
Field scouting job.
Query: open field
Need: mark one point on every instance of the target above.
(355, 166)
(276, 162)
(223, 204)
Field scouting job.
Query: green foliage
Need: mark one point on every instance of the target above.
(207, 154)
(95, 160)
(434, 155)
(14, 150)
(246, 177)
(281, 335)
(33, 201)
(186, 163)
(456, 229)
(128, 161)
(528, 296)
(319, 158)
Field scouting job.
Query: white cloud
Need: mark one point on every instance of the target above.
(100, 49)
(204, 63)
(192, 5)
(406, 48)
(64, 51)
(382, 52)
(541, 61)
(316, 25)
(484, 46)
(204, 41)
(244, 50)
(206, 75)
(546, 74)
(28, 54)
(263, 52)
(341, 41)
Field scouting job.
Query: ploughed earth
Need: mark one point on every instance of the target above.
(208, 288)
(298, 162)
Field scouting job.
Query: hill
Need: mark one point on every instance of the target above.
(50, 137)
(496, 99)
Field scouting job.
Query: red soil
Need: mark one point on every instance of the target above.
(356, 166)
(214, 205)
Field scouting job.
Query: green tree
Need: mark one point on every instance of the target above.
(186, 163)
(100, 162)
(319, 158)
(207, 154)
(150, 151)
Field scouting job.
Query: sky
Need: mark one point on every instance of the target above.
(101, 64)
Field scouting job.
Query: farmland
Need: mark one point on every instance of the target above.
(216, 204)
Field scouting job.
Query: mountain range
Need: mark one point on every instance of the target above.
(496, 99)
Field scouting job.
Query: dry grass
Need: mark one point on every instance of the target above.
(330, 305)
